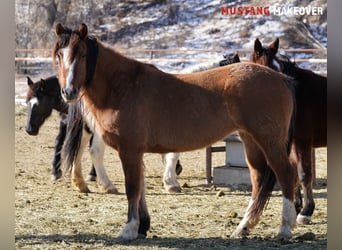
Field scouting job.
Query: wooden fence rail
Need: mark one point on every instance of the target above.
(35, 59)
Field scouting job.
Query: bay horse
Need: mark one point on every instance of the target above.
(137, 109)
(44, 96)
(310, 127)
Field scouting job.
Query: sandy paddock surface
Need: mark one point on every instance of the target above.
(53, 215)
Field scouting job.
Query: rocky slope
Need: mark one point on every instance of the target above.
(170, 24)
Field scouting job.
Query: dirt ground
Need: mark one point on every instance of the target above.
(53, 215)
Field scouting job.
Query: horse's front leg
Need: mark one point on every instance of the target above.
(97, 148)
(306, 177)
(76, 173)
(138, 219)
(56, 172)
(171, 184)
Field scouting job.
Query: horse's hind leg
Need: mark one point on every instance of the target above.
(171, 184)
(97, 152)
(278, 159)
(56, 162)
(305, 173)
(262, 180)
(138, 221)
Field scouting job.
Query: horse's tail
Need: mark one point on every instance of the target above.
(269, 179)
(265, 190)
(74, 135)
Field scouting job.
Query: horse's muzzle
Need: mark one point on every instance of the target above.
(32, 130)
(69, 94)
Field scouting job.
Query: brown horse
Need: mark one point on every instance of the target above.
(138, 109)
(310, 127)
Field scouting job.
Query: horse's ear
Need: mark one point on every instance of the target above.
(83, 30)
(59, 29)
(236, 58)
(257, 46)
(274, 46)
(42, 84)
(29, 81)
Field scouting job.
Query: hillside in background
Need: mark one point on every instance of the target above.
(167, 24)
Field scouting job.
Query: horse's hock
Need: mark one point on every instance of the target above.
(235, 171)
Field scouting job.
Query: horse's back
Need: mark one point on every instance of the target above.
(235, 97)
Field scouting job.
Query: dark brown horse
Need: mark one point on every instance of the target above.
(138, 109)
(41, 98)
(44, 96)
(310, 128)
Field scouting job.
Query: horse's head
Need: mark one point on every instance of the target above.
(40, 99)
(72, 53)
(267, 55)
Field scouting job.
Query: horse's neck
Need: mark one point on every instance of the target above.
(60, 105)
(113, 73)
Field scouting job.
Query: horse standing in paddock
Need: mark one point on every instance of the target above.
(42, 97)
(310, 127)
(138, 108)
(45, 95)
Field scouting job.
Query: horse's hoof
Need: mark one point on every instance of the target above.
(284, 234)
(173, 189)
(238, 233)
(303, 219)
(85, 190)
(56, 176)
(142, 236)
(91, 178)
(130, 231)
(112, 191)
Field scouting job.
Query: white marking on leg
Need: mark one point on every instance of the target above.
(304, 219)
(246, 222)
(169, 179)
(288, 219)
(130, 231)
(97, 153)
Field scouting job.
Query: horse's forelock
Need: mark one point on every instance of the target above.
(64, 39)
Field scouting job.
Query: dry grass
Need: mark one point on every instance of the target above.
(55, 216)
